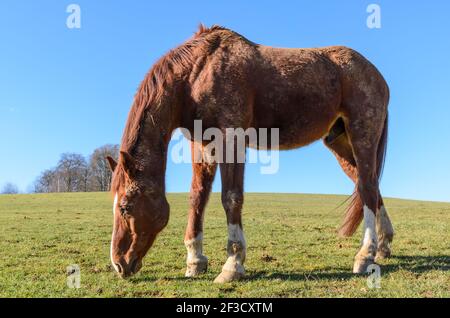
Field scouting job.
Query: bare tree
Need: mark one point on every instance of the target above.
(74, 174)
(43, 182)
(10, 188)
(48, 181)
(99, 167)
(85, 179)
(72, 170)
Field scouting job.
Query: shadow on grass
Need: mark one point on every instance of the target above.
(290, 276)
(414, 264)
(257, 275)
(418, 264)
(152, 278)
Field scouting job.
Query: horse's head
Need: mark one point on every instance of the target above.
(140, 212)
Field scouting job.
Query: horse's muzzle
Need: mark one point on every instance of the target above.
(126, 270)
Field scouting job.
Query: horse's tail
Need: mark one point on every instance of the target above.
(354, 214)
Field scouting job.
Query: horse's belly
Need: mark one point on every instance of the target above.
(294, 135)
(298, 135)
(298, 124)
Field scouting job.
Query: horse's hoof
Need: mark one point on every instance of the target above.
(361, 264)
(382, 254)
(228, 276)
(197, 268)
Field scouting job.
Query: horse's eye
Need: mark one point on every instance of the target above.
(125, 208)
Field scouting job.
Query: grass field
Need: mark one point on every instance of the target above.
(293, 250)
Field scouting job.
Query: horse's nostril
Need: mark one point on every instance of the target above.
(133, 265)
(119, 268)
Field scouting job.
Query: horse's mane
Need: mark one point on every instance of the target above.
(177, 61)
(151, 89)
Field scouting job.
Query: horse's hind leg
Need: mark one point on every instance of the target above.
(367, 187)
(366, 130)
(202, 178)
(385, 232)
(337, 141)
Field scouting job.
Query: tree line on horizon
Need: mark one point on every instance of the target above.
(76, 173)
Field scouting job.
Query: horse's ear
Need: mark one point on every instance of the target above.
(112, 163)
(128, 163)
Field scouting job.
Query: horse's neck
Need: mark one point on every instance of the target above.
(153, 142)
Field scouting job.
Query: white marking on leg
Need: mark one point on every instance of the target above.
(366, 254)
(370, 236)
(112, 235)
(194, 249)
(235, 234)
(236, 249)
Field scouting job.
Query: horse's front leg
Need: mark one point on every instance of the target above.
(202, 179)
(232, 200)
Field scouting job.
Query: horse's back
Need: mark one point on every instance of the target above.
(300, 91)
(304, 91)
(297, 91)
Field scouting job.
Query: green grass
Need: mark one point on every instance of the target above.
(293, 250)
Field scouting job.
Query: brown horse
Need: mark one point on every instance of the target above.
(225, 80)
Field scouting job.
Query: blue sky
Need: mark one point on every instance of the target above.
(70, 89)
